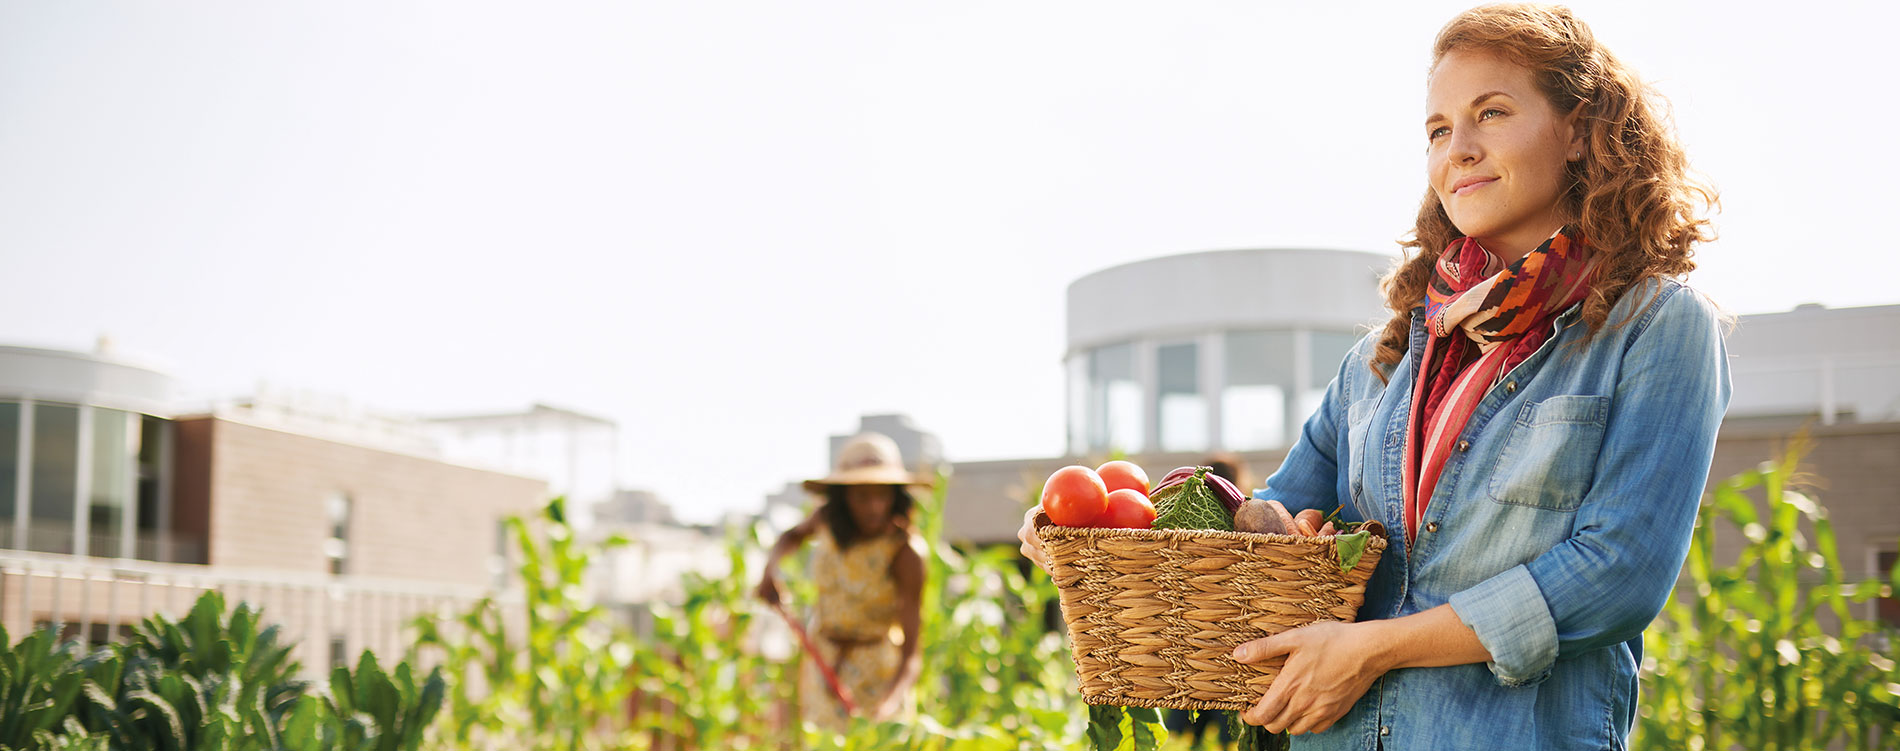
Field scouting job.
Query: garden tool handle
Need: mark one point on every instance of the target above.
(838, 688)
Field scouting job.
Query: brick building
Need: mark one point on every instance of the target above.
(113, 505)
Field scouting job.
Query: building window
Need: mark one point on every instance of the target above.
(9, 469)
(1887, 609)
(1325, 350)
(1253, 399)
(1181, 411)
(337, 547)
(1114, 400)
(339, 655)
(55, 477)
(153, 433)
(80, 479)
(110, 490)
(498, 563)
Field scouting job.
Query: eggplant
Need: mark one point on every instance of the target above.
(1221, 487)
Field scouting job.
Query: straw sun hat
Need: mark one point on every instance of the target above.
(867, 459)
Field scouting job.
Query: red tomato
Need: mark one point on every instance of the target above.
(1127, 509)
(1074, 496)
(1119, 474)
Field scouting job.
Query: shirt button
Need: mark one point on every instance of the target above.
(1431, 526)
(1510, 387)
(1385, 730)
(1464, 446)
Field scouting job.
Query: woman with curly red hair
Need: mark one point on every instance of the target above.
(1534, 423)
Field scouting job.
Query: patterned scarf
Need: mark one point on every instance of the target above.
(1503, 313)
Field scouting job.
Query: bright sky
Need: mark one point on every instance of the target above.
(734, 227)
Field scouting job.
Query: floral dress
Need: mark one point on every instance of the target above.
(855, 624)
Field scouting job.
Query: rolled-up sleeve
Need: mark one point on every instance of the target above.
(1609, 579)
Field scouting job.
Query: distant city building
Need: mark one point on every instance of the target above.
(575, 452)
(1219, 350)
(634, 507)
(342, 523)
(1829, 365)
(922, 451)
(86, 447)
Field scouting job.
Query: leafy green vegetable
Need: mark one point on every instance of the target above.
(1191, 505)
(1350, 548)
(1254, 737)
(1146, 722)
(1105, 726)
(1113, 728)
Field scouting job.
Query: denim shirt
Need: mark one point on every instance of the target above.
(1555, 534)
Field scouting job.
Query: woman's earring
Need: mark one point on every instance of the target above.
(1576, 156)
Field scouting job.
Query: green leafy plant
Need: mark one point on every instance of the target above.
(1766, 652)
(559, 680)
(41, 685)
(367, 709)
(208, 682)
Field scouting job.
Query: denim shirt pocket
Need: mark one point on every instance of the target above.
(1550, 457)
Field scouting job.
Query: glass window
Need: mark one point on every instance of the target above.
(154, 432)
(1328, 349)
(1078, 403)
(337, 548)
(9, 467)
(1182, 412)
(1114, 409)
(1325, 351)
(151, 436)
(55, 477)
(498, 563)
(1253, 399)
(111, 489)
(1253, 417)
(1888, 611)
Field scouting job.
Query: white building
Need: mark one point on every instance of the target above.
(1218, 350)
(573, 451)
(1833, 365)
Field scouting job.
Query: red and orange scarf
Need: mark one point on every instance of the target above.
(1484, 318)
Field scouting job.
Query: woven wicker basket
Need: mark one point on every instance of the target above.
(1154, 614)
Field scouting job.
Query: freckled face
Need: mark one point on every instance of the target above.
(1497, 151)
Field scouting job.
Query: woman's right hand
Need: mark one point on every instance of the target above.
(768, 588)
(1032, 545)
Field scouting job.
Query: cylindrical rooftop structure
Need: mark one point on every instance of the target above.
(1216, 350)
(85, 378)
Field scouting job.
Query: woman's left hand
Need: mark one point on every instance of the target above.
(1329, 666)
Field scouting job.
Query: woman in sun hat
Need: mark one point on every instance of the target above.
(868, 567)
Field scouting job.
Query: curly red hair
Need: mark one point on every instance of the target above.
(1632, 194)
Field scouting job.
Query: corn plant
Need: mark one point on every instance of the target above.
(992, 665)
(717, 693)
(1743, 656)
(559, 681)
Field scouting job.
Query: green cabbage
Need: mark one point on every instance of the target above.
(1191, 505)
